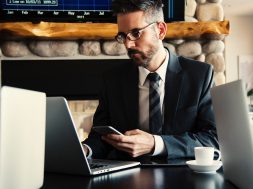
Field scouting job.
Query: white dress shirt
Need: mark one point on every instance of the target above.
(144, 101)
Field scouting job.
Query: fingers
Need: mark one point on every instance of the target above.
(113, 139)
(132, 149)
(135, 145)
(133, 132)
(118, 144)
(120, 138)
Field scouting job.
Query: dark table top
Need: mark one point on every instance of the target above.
(141, 178)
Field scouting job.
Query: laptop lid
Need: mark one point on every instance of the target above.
(235, 133)
(64, 152)
(22, 138)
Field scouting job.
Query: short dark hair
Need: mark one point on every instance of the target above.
(153, 9)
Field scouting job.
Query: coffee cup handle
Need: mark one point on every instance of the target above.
(219, 154)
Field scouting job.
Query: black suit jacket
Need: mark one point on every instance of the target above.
(188, 112)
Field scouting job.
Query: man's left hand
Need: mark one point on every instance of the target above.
(134, 142)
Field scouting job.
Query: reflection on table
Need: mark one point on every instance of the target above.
(141, 178)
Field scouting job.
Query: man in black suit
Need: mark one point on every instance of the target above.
(183, 117)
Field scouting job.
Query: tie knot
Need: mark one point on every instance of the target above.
(154, 77)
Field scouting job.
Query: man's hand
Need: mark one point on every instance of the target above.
(135, 142)
(85, 149)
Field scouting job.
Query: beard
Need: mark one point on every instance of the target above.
(142, 58)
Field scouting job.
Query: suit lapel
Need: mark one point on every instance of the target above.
(173, 86)
(131, 97)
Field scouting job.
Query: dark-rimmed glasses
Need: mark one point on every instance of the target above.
(132, 35)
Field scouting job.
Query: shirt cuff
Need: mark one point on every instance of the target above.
(89, 155)
(159, 146)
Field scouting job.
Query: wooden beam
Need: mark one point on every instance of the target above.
(104, 30)
(192, 29)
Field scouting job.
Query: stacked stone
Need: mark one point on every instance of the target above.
(209, 50)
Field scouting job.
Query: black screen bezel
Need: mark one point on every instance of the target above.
(94, 17)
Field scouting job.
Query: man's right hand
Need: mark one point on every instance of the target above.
(134, 142)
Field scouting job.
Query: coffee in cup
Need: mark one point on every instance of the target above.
(205, 155)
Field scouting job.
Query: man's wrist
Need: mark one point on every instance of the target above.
(153, 148)
(159, 147)
(87, 150)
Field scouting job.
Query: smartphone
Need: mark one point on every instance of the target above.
(105, 130)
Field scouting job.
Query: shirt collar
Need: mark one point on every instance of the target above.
(161, 71)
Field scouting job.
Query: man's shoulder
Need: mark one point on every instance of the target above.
(191, 64)
(123, 72)
(122, 68)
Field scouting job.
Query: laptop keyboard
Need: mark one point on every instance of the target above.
(95, 164)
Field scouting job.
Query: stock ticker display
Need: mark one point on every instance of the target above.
(57, 10)
(74, 10)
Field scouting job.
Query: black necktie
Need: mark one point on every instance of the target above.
(155, 114)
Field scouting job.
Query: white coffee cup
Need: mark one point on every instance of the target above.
(205, 155)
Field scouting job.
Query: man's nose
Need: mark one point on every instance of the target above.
(128, 43)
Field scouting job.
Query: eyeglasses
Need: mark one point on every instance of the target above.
(133, 35)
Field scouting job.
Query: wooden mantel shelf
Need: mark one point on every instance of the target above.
(105, 30)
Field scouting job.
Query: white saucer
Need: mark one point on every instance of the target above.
(204, 168)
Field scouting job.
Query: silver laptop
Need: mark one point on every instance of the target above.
(22, 138)
(64, 152)
(235, 133)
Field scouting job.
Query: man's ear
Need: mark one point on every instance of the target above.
(162, 26)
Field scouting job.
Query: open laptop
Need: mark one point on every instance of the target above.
(22, 138)
(235, 133)
(64, 152)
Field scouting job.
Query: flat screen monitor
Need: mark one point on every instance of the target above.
(74, 10)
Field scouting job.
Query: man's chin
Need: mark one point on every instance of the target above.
(140, 63)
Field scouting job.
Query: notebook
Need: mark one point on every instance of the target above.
(64, 152)
(22, 138)
(235, 133)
